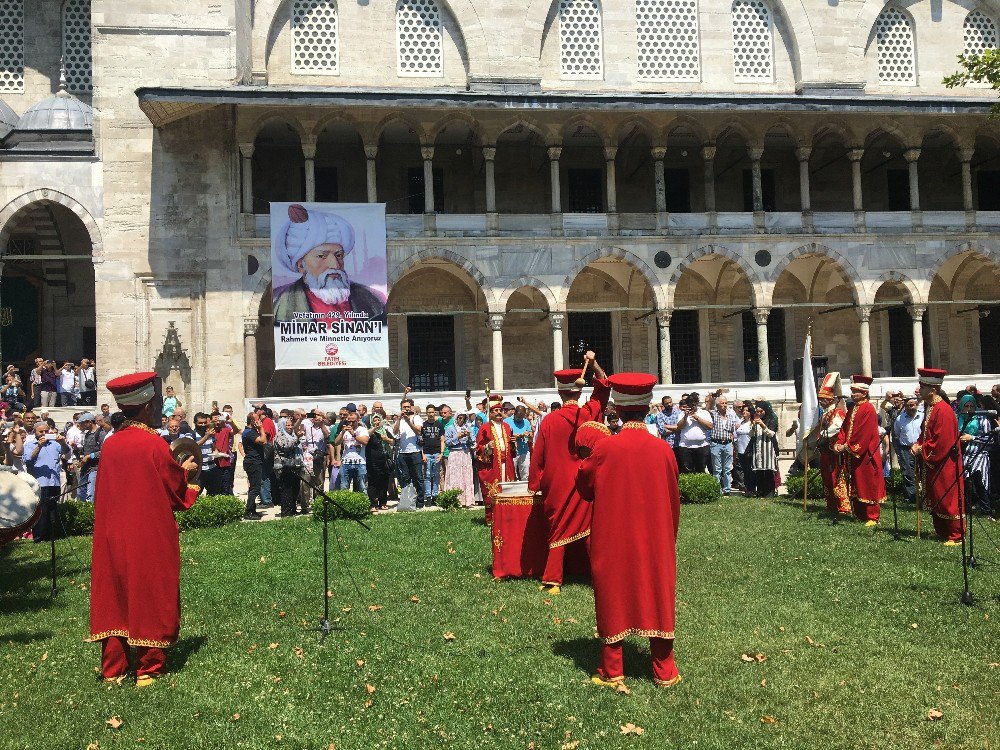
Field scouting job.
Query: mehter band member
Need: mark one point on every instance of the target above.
(554, 465)
(941, 454)
(135, 578)
(494, 455)
(860, 440)
(831, 464)
(631, 478)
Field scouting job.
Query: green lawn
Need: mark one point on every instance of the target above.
(861, 637)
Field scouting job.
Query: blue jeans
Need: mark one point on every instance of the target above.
(85, 489)
(432, 476)
(356, 474)
(265, 487)
(722, 464)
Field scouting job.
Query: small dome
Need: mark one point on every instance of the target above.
(8, 119)
(58, 112)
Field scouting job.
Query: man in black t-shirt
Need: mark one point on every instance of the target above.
(432, 445)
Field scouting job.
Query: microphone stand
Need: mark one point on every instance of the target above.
(324, 624)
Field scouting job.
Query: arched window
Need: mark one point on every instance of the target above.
(315, 37)
(753, 53)
(980, 33)
(77, 60)
(12, 45)
(418, 38)
(895, 47)
(667, 40)
(581, 54)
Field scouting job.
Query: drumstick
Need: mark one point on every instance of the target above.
(581, 381)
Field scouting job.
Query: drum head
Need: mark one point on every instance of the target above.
(19, 506)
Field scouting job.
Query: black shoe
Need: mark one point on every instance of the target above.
(284, 514)
(420, 506)
(255, 516)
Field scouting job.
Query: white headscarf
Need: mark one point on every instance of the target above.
(308, 229)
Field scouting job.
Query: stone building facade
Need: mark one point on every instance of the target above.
(683, 184)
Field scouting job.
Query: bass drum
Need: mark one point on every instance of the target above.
(20, 503)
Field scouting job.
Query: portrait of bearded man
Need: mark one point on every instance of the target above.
(314, 246)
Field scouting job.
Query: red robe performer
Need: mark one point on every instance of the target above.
(831, 466)
(555, 463)
(860, 440)
(135, 576)
(631, 478)
(494, 455)
(941, 453)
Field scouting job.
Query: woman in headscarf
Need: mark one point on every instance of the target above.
(379, 461)
(287, 465)
(744, 450)
(458, 438)
(764, 442)
(975, 459)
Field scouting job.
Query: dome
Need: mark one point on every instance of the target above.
(58, 112)
(8, 119)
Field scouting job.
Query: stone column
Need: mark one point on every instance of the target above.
(803, 154)
(864, 330)
(758, 191)
(965, 156)
(917, 315)
(427, 153)
(612, 193)
(912, 155)
(663, 329)
(378, 380)
(708, 157)
(489, 154)
(557, 320)
(763, 356)
(855, 155)
(370, 153)
(246, 176)
(250, 326)
(309, 152)
(659, 178)
(496, 326)
(554, 153)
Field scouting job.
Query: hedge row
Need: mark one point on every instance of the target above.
(208, 511)
(794, 484)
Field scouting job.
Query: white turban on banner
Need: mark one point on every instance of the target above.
(308, 229)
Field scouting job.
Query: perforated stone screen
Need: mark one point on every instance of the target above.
(11, 45)
(667, 40)
(752, 47)
(581, 53)
(76, 46)
(894, 43)
(315, 37)
(980, 33)
(418, 38)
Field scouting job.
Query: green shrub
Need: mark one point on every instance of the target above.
(894, 482)
(699, 488)
(77, 518)
(354, 504)
(209, 511)
(795, 484)
(449, 499)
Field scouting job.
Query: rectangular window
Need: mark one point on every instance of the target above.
(767, 190)
(685, 347)
(988, 187)
(900, 342)
(678, 190)
(324, 382)
(591, 330)
(431, 352)
(898, 189)
(327, 190)
(415, 181)
(989, 335)
(586, 191)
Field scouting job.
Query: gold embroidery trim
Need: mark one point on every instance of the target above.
(635, 426)
(639, 632)
(131, 641)
(568, 540)
(141, 426)
(517, 500)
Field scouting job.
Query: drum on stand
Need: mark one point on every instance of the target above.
(519, 533)
(20, 504)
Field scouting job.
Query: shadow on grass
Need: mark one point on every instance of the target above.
(585, 653)
(181, 651)
(24, 637)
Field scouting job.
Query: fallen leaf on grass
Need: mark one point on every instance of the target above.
(415, 599)
(763, 683)
(631, 728)
(45, 656)
(329, 594)
(368, 703)
(374, 607)
(768, 719)
(935, 714)
(370, 688)
(360, 662)
(236, 717)
(621, 687)
(299, 652)
(281, 614)
(263, 559)
(557, 620)
(272, 645)
(449, 636)
(571, 745)
(114, 722)
(346, 609)
(94, 746)
(809, 640)
(754, 657)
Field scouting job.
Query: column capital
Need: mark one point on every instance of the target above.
(663, 317)
(554, 152)
(246, 150)
(864, 313)
(917, 312)
(556, 320)
(371, 152)
(250, 326)
(755, 152)
(855, 154)
(761, 314)
(803, 153)
(427, 153)
(309, 149)
(708, 152)
(489, 153)
(658, 152)
(610, 152)
(965, 154)
(495, 321)
(911, 155)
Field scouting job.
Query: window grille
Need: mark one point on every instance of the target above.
(667, 38)
(894, 43)
(418, 38)
(980, 33)
(752, 46)
(580, 49)
(77, 61)
(685, 347)
(11, 45)
(315, 37)
(431, 352)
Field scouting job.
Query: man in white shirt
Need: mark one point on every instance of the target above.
(693, 431)
(66, 385)
(87, 380)
(317, 433)
(351, 440)
(411, 457)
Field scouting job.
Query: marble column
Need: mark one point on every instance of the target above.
(309, 152)
(855, 155)
(803, 154)
(663, 330)
(659, 178)
(763, 356)
(427, 153)
(758, 191)
(496, 326)
(557, 320)
(250, 326)
(864, 334)
(912, 156)
(489, 155)
(378, 380)
(708, 159)
(917, 315)
(246, 176)
(554, 153)
(370, 153)
(965, 156)
(612, 192)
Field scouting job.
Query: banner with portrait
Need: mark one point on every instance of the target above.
(329, 285)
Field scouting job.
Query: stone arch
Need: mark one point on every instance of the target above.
(973, 247)
(814, 248)
(542, 131)
(342, 117)
(844, 132)
(435, 130)
(899, 279)
(756, 284)
(48, 195)
(684, 121)
(418, 129)
(621, 129)
(793, 15)
(262, 285)
(529, 281)
(749, 136)
(619, 253)
(443, 253)
(251, 132)
(587, 121)
(890, 129)
(864, 23)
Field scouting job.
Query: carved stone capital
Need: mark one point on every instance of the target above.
(911, 155)
(803, 153)
(489, 152)
(309, 149)
(864, 313)
(659, 152)
(427, 153)
(610, 152)
(855, 154)
(965, 154)
(761, 314)
(250, 326)
(371, 152)
(755, 152)
(917, 312)
(663, 318)
(708, 152)
(554, 152)
(557, 320)
(246, 150)
(495, 321)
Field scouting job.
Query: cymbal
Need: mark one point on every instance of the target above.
(184, 448)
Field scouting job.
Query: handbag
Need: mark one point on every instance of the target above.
(89, 385)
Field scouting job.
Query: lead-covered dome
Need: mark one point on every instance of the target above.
(58, 112)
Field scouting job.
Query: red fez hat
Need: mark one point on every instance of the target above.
(590, 434)
(496, 400)
(931, 376)
(566, 379)
(860, 383)
(133, 390)
(632, 389)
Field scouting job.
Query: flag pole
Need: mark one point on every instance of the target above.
(805, 437)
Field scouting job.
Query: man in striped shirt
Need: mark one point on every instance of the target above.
(724, 424)
(666, 421)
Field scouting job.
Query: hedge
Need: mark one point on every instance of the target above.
(450, 499)
(208, 511)
(699, 488)
(354, 504)
(794, 484)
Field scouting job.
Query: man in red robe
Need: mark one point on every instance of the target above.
(831, 466)
(554, 465)
(631, 478)
(494, 455)
(941, 453)
(135, 576)
(860, 440)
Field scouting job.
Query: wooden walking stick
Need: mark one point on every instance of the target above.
(919, 471)
(582, 380)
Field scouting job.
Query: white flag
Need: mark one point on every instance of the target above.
(808, 417)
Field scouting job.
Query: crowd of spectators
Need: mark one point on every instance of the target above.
(47, 384)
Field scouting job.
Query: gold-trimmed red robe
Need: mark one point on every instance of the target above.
(496, 465)
(865, 478)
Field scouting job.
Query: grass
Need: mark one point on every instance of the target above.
(862, 636)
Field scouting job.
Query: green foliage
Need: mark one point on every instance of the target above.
(210, 511)
(77, 518)
(794, 484)
(449, 499)
(699, 488)
(354, 504)
(894, 482)
(984, 68)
